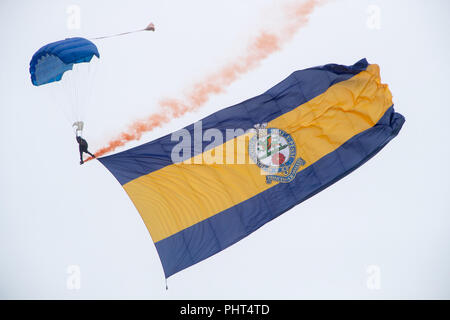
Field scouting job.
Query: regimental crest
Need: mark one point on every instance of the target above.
(274, 151)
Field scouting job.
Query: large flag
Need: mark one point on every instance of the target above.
(210, 184)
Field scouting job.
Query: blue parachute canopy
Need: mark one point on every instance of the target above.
(50, 62)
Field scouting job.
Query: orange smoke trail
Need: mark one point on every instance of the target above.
(266, 43)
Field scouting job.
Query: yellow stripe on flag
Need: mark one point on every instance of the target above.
(180, 195)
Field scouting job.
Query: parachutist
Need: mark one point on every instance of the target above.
(83, 147)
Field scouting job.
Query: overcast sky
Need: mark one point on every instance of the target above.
(389, 218)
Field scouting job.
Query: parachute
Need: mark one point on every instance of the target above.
(50, 62)
(67, 67)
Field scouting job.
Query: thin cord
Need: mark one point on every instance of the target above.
(116, 35)
(150, 27)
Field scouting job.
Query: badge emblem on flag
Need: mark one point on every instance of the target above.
(274, 151)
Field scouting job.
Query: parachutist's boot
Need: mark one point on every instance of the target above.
(81, 162)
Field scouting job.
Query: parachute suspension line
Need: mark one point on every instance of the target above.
(88, 83)
(67, 86)
(150, 27)
(59, 105)
(78, 101)
(167, 288)
(73, 95)
(91, 74)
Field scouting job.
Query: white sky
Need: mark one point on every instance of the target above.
(393, 212)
